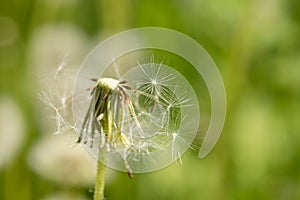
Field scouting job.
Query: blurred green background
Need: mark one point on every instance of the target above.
(255, 44)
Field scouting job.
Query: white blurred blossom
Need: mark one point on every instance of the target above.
(12, 130)
(65, 196)
(55, 47)
(59, 159)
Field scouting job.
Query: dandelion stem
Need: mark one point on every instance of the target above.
(107, 86)
(100, 181)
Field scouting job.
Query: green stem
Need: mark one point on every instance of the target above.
(100, 181)
(101, 168)
(107, 87)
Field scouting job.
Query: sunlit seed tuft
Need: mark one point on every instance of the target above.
(109, 83)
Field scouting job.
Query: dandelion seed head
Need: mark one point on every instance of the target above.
(146, 110)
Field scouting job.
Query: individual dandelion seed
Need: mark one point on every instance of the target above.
(56, 94)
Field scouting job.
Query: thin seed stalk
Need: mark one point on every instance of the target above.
(100, 181)
(101, 167)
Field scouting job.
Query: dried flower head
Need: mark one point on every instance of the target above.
(134, 124)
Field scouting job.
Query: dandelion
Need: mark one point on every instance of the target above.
(137, 123)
